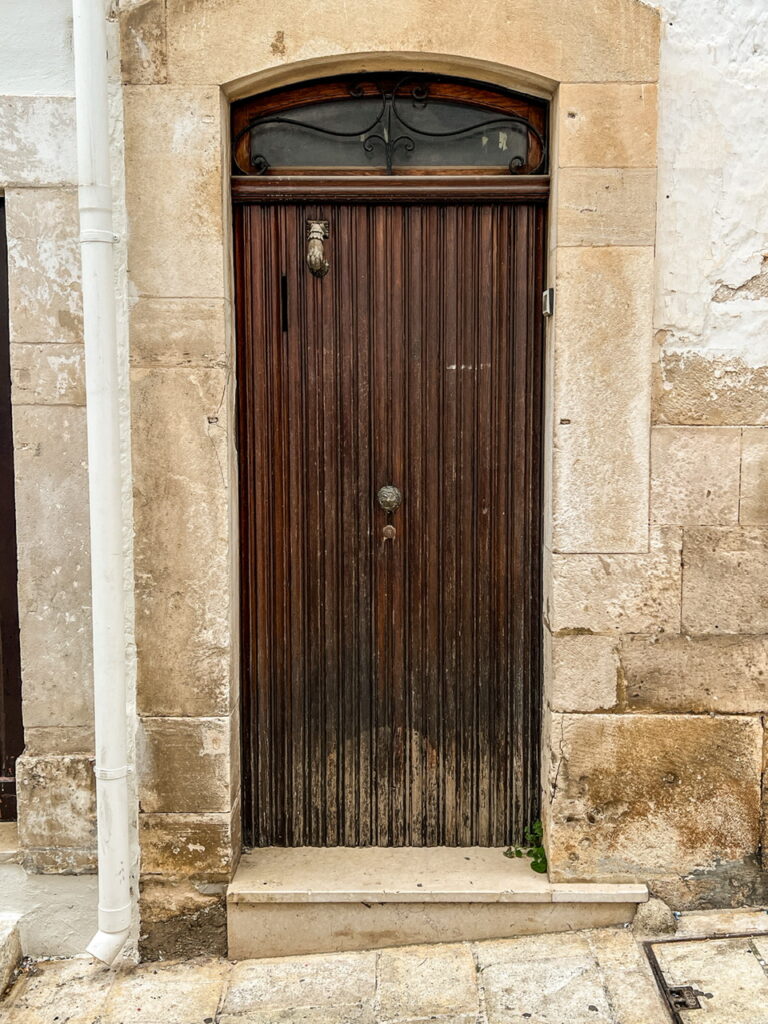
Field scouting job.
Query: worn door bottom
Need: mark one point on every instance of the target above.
(722, 979)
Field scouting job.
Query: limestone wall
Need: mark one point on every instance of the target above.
(672, 788)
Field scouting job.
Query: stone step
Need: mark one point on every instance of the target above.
(311, 900)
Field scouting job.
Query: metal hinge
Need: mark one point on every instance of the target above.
(548, 301)
(684, 997)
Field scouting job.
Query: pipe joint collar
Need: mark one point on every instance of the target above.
(107, 774)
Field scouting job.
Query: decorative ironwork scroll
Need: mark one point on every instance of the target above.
(403, 121)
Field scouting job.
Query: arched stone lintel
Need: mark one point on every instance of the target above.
(276, 77)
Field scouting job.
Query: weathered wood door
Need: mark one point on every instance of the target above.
(390, 659)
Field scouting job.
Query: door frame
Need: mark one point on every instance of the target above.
(397, 189)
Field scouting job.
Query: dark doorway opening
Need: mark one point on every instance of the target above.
(11, 732)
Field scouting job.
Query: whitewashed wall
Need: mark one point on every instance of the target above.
(713, 199)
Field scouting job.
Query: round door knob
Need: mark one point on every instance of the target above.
(389, 498)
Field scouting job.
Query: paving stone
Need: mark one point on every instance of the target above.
(426, 981)
(699, 923)
(554, 990)
(629, 983)
(327, 982)
(182, 993)
(589, 977)
(342, 1014)
(531, 947)
(59, 992)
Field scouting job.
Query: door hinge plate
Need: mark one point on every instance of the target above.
(548, 301)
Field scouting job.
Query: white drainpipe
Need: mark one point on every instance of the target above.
(104, 478)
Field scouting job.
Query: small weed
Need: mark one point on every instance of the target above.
(535, 849)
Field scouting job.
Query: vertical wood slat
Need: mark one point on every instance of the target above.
(391, 687)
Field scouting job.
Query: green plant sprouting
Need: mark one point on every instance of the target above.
(534, 837)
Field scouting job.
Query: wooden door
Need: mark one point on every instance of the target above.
(391, 684)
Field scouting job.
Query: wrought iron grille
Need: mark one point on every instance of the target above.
(388, 124)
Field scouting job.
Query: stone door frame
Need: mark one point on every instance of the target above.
(602, 83)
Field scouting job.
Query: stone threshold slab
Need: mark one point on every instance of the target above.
(407, 875)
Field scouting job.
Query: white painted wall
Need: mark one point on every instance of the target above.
(713, 190)
(36, 48)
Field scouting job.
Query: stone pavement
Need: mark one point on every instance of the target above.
(589, 977)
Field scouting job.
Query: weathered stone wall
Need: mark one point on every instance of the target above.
(48, 395)
(659, 686)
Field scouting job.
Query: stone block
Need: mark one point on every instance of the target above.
(709, 390)
(753, 508)
(606, 206)
(39, 994)
(44, 294)
(186, 846)
(632, 991)
(180, 920)
(654, 918)
(48, 374)
(50, 454)
(184, 993)
(343, 979)
(618, 593)
(37, 141)
(57, 812)
(725, 674)
(724, 574)
(179, 332)
(182, 552)
(739, 883)
(561, 984)
(184, 765)
(174, 173)
(602, 367)
(143, 43)
(607, 125)
(427, 982)
(695, 475)
(584, 673)
(560, 39)
(53, 739)
(633, 796)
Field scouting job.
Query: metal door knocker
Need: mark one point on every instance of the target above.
(317, 232)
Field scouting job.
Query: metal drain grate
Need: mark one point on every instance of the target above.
(680, 997)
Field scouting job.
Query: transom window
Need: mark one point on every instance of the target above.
(390, 124)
